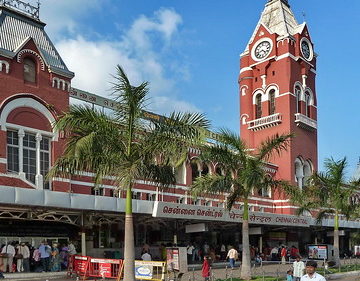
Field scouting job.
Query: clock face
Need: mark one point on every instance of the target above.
(306, 50)
(262, 50)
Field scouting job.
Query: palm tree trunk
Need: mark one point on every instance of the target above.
(245, 265)
(129, 251)
(336, 239)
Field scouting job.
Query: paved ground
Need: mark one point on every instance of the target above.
(276, 270)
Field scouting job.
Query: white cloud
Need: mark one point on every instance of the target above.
(94, 61)
(63, 16)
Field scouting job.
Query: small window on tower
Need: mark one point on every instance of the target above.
(258, 107)
(272, 102)
(298, 99)
(29, 70)
(273, 73)
(307, 104)
(255, 79)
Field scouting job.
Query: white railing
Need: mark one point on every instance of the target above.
(265, 122)
(305, 122)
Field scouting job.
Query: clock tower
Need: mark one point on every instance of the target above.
(277, 90)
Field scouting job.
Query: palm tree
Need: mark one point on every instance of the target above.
(243, 173)
(127, 147)
(329, 193)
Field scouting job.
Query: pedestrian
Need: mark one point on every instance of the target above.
(190, 249)
(146, 256)
(55, 258)
(274, 252)
(299, 268)
(283, 254)
(45, 252)
(22, 256)
(289, 275)
(233, 256)
(205, 270)
(7, 255)
(206, 249)
(311, 273)
(222, 252)
(72, 249)
(145, 248)
(36, 260)
(64, 254)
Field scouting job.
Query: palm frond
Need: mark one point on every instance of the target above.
(322, 214)
(237, 193)
(212, 184)
(274, 145)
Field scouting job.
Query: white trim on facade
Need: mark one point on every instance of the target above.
(3, 161)
(26, 102)
(245, 69)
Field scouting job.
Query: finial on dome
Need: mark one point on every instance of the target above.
(286, 2)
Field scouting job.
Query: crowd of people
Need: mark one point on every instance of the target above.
(196, 252)
(23, 257)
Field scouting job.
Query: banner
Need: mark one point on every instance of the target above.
(192, 212)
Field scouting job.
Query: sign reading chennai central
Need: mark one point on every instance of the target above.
(182, 211)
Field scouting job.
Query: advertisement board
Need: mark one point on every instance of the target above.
(176, 259)
(317, 252)
(143, 270)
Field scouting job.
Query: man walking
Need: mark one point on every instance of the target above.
(8, 253)
(311, 274)
(299, 268)
(23, 255)
(45, 251)
(233, 256)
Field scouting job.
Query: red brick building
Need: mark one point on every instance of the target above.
(277, 94)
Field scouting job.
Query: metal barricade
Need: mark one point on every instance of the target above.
(105, 268)
(78, 265)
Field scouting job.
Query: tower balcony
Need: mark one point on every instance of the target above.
(305, 122)
(265, 122)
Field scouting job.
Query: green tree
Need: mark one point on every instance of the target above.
(127, 147)
(243, 172)
(329, 193)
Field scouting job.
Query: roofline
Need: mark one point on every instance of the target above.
(22, 15)
(62, 72)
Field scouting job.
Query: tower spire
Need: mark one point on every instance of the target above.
(286, 2)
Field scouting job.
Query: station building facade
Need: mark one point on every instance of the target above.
(277, 94)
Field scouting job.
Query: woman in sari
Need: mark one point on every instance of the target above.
(55, 258)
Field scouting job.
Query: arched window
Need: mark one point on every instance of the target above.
(29, 70)
(298, 99)
(307, 172)
(219, 170)
(194, 171)
(205, 170)
(307, 104)
(299, 173)
(272, 107)
(258, 107)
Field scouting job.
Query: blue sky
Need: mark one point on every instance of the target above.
(189, 51)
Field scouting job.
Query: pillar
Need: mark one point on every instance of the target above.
(38, 177)
(83, 236)
(260, 244)
(21, 135)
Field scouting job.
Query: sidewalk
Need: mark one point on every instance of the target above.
(34, 276)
